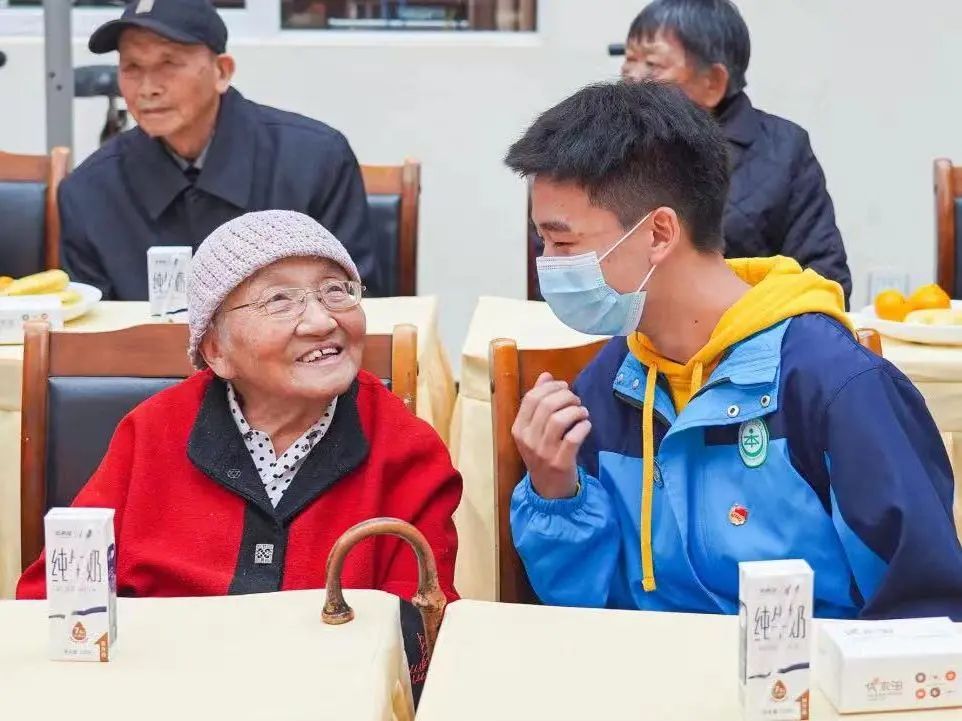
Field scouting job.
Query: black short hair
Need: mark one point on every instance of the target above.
(634, 147)
(710, 31)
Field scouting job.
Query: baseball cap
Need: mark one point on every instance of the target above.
(193, 22)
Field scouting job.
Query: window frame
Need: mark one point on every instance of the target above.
(28, 21)
(260, 21)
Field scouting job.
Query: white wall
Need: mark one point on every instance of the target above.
(877, 94)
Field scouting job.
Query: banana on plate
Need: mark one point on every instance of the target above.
(940, 316)
(49, 282)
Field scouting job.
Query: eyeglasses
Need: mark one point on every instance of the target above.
(335, 295)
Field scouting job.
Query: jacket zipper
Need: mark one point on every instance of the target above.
(641, 407)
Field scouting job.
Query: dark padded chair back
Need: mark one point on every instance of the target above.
(958, 248)
(23, 228)
(82, 414)
(386, 228)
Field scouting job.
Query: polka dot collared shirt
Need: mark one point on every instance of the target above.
(278, 473)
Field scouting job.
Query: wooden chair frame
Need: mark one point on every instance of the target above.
(147, 351)
(948, 187)
(395, 356)
(869, 338)
(51, 170)
(403, 180)
(513, 373)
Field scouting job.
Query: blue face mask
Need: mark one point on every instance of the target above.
(575, 289)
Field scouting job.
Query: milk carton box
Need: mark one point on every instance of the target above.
(899, 665)
(167, 268)
(17, 310)
(81, 583)
(775, 631)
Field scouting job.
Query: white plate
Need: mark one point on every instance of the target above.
(90, 297)
(912, 332)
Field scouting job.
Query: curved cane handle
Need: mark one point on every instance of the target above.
(429, 599)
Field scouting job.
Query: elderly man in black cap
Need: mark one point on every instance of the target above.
(201, 155)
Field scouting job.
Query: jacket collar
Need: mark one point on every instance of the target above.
(738, 120)
(227, 173)
(746, 375)
(755, 360)
(217, 448)
(629, 385)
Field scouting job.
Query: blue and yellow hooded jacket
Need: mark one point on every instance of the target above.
(781, 438)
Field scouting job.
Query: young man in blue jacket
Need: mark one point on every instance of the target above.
(733, 417)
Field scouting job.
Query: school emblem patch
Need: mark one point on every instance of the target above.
(753, 442)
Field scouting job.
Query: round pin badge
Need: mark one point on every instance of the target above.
(738, 515)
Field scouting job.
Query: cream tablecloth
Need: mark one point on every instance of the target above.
(501, 662)
(435, 395)
(936, 371)
(241, 658)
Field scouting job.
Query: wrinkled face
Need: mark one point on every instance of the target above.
(663, 58)
(314, 356)
(570, 225)
(168, 86)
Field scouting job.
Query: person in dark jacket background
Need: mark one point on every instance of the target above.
(778, 203)
(201, 155)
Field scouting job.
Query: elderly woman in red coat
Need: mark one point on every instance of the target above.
(241, 478)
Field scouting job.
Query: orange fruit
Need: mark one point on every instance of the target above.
(930, 297)
(891, 305)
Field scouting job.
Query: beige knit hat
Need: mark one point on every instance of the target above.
(241, 247)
